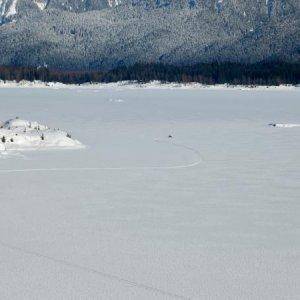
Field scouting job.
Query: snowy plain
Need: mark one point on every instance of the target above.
(212, 213)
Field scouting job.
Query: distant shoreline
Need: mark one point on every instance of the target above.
(137, 85)
(203, 74)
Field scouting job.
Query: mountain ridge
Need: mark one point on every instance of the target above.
(106, 34)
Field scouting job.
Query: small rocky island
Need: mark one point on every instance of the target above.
(18, 134)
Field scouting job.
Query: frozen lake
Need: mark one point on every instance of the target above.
(212, 213)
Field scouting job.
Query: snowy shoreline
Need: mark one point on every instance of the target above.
(136, 85)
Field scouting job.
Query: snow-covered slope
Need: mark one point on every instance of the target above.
(7, 9)
(10, 8)
(41, 4)
(17, 134)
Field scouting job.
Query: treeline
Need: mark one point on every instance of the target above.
(272, 73)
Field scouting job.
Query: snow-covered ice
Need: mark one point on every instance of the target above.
(287, 125)
(211, 213)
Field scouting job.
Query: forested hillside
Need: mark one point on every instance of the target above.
(100, 36)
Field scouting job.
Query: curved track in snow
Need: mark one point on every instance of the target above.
(198, 161)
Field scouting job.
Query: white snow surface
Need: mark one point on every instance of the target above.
(8, 9)
(211, 213)
(114, 3)
(12, 10)
(18, 134)
(135, 85)
(284, 125)
(41, 4)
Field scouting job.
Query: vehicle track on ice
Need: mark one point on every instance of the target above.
(103, 274)
(88, 269)
(174, 167)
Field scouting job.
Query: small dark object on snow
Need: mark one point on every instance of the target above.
(170, 136)
(272, 124)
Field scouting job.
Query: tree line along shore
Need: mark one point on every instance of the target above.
(269, 73)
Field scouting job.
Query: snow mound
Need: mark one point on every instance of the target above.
(284, 125)
(19, 125)
(18, 134)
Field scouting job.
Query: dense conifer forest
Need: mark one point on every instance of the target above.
(271, 73)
